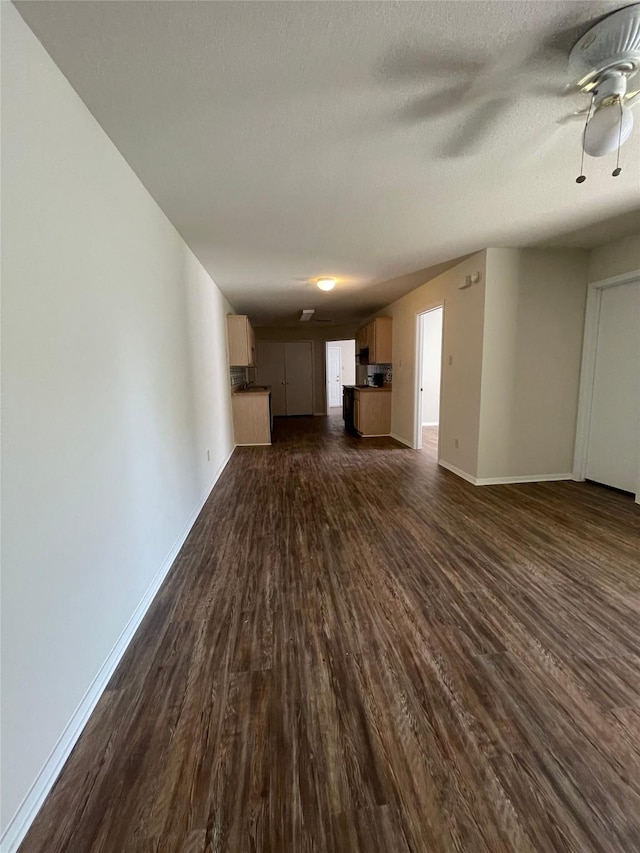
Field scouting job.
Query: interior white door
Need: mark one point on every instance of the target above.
(298, 368)
(270, 371)
(334, 374)
(613, 454)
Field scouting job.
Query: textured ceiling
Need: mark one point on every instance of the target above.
(289, 140)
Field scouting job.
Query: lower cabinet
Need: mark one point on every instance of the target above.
(372, 411)
(251, 417)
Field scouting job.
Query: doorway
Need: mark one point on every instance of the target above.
(340, 370)
(428, 376)
(608, 442)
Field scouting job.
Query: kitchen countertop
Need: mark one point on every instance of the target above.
(368, 387)
(263, 390)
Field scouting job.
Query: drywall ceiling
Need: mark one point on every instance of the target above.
(604, 231)
(290, 140)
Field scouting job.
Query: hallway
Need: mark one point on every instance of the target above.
(358, 651)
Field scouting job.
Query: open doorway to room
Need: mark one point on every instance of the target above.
(340, 370)
(428, 375)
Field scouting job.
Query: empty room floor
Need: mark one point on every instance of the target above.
(358, 651)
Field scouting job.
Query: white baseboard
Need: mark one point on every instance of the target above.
(503, 481)
(529, 478)
(431, 423)
(19, 825)
(460, 473)
(402, 440)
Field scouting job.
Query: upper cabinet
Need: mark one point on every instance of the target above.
(373, 342)
(241, 341)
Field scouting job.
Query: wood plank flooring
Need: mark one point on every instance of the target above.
(430, 441)
(358, 651)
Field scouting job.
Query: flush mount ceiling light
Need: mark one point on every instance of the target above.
(326, 283)
(602, 63)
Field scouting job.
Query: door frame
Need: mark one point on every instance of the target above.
(417, 393)
(588, 369)
(329, 346)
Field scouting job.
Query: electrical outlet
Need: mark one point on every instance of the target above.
(456, 443)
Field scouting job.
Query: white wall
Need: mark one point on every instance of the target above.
(615, 258)
(533, 327)
(431, 365)
(462, 344)
(115, 386)
(514, 340)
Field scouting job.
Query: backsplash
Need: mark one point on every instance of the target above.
(238, 376)
(387, 369)
(241, 375)
(364, 373)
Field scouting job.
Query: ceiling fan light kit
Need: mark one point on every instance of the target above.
(609, 126)
(602, 62)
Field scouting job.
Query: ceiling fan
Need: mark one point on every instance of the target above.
(603, 62)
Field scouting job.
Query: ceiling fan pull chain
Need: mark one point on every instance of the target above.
(618, 168)
(582, 177)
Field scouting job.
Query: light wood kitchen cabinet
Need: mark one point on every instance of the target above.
(373, 341)
(251, 410)
(372, 411)
(241, 341)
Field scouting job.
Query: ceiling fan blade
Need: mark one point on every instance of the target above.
(411, 62)
(629, 100)
(471, 132)
(517, 69)
(549, 90)
(538, 145)
(571, 118)
(553, 50)
(432, 106)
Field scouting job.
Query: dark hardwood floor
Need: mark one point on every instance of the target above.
(358, 651)
(430, 441)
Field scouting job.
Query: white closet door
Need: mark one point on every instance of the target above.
(270, 371)
(298, 362)
(613, 455)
